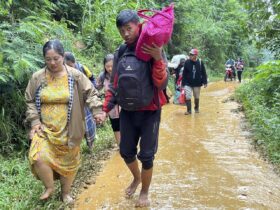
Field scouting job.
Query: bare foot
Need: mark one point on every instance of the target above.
(116, 148)
(143, 200)
(132, 188)
(67, 199)
(46, 194)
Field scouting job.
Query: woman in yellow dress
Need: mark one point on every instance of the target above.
(55, 98)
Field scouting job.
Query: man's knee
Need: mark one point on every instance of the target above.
(188, 96)
(128, 159)
(188, 92)
(147, 164)
(146, 160)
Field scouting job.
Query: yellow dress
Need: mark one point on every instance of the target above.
(52, 148)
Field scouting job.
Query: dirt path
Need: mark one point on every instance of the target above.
(204, 161)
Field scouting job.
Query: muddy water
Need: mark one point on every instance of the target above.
(204, 161)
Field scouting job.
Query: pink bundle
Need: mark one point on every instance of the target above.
(157, 29)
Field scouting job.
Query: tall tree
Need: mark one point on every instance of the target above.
(264, 24)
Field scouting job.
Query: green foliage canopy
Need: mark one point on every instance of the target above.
(264, 23)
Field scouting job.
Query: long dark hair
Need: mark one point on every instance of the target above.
(55, 45)
(107, 58)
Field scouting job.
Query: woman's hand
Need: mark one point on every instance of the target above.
(154, 51)
(36, 129)
(100, 118)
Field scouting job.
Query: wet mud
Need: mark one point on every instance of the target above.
(204, 161)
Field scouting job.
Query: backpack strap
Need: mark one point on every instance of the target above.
(80, 67)
(102, 77)
(122, 49)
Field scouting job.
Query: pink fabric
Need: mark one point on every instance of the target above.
(115, 112)
(182, 97)
(157, 29)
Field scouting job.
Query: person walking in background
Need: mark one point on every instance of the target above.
(55, 98)
(240, 68)
(140, 114)
(179, 71)
(90, 124)
(194, 76)
(178, 80)
(70, 60)
(176, 66)
(231, 62)
(103, 81)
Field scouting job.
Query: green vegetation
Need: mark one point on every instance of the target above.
(264, 24)
(219, 29)
(260, 96)
(261, 100)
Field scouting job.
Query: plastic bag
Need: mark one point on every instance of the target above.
(182, 97)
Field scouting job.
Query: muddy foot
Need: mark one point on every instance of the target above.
(48, 192)
(143, 200)
(67, 199)
(116, 148)
(132, 188)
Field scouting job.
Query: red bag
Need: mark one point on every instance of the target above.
(157, 29)
(182, 97)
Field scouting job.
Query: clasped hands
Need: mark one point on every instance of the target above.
(100, 117)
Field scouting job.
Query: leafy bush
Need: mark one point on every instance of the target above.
(12, 130)
(261, 99)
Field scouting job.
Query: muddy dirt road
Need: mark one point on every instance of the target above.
(204, 161)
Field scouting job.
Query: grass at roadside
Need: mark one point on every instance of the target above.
(261, 101)
(20, 190)
(214, 77)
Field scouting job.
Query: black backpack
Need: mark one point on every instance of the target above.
(135, 87)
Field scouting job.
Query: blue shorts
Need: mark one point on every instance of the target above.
(139, 127)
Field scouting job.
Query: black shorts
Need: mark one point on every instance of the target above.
(135, 127)
(115, 124)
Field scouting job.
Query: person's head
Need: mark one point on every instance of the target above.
(108, 63)
(182, 61)
(193, 54)
(53, 53)
(69, 59)
(128, 23)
